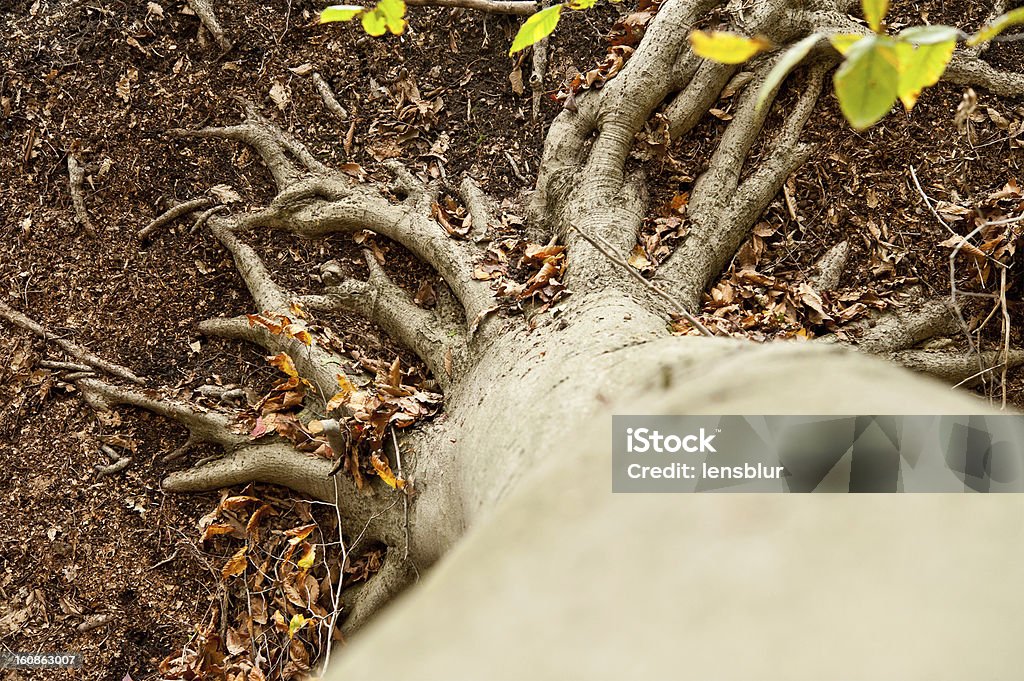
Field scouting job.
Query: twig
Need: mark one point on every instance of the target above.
(76, 174)
(520, 7)
(116, 467)
(1006, 330)
(405, 494)
(952, 268)
(165, 561)
(174, 213)
(327, 94)
(608, 251)
(73, 349)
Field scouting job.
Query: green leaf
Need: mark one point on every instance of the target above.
(928, 35)
(725, 47)
(842, 42)
(339, 13)
(874, 12)
(582, 4)
(920, 67)
(793, 56)
(997, 26)
(296, 623)
(536, 28)
(388, 15)
(868, 81)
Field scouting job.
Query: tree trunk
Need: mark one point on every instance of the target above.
(542, 572)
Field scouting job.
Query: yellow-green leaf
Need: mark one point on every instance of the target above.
(339, 13)
(928, 35)
(874, 12)
(388, 15)
(582, 4)
(725, 47)
(296, 623)
(921, 66)
(793, 56)
(536, 28)
(842, 42)
(997, 26)
(308, 557)
(868, 80)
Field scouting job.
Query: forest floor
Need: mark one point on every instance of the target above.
(110, 566)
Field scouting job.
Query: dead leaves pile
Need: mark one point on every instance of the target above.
(659, 234)
(763, 307)
(394, 400)
(278, 592)
(524, 272)
(625, 35)
(992, 245)
(412, 117)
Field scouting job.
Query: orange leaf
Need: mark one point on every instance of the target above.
(299, 534)
(236, 564)
(283, 362)
(214, 530)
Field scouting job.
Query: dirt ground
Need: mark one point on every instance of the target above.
(111, 566)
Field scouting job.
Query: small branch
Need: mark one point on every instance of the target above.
(114, 468)
(73, 349)
(517, 7)
(76, 175)
(607, 250)
(327, 95)
(204, 10)
(175, 213)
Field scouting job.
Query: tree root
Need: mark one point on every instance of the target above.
(828, 271)
(363, 600)
(902, 328)
(381, 301)
(722, 210)
(174, 213)
(957, 368)
(966, 70)
(204, 10)
(73, 349)
(327, 94)
(76, 175)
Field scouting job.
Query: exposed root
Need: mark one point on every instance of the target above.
(958, 368)
(315, 363)
(540, 70)
(76, 175)
(73, 349)
(204, 10)
(381, 301)
(363, 600)
(204, 426)
(267, 295)
(966, 70)
(722, 211)
(517, 7)
(481, 210)
(176, 212)
(277, 463)
(828, 271)
(690, 105)
(903, 328)
(327, 94)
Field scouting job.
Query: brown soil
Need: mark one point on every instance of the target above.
(105, 79)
